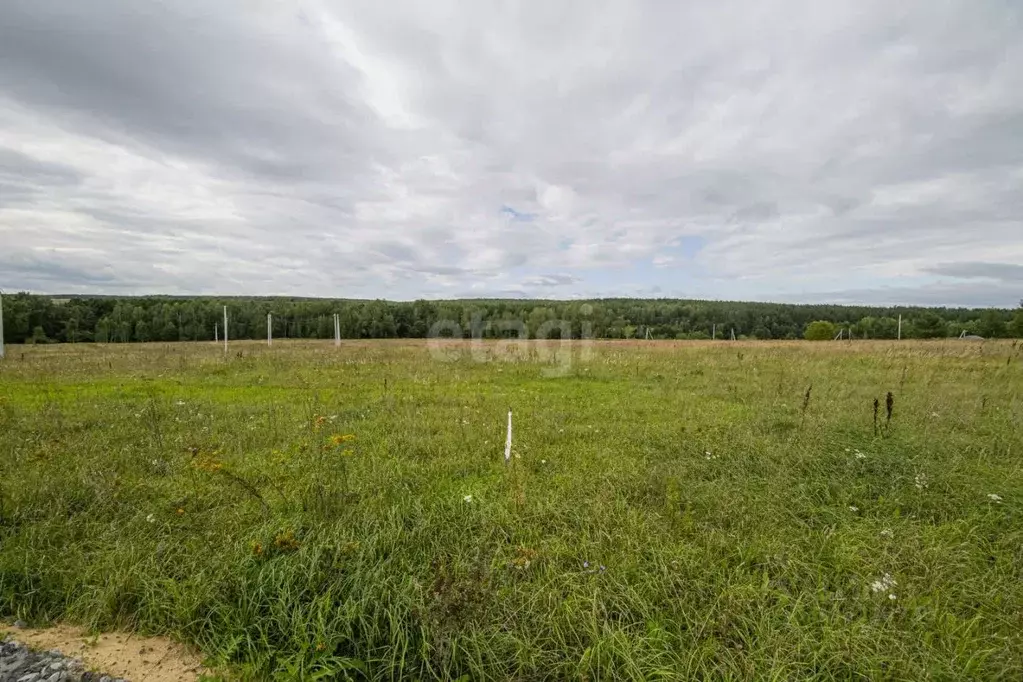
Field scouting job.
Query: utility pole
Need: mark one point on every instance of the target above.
(225, 330)
(269, 327)
(900, 327)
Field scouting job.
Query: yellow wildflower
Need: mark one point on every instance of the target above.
(286, 541)
(207, 463)
(524, 559)
(338, 439)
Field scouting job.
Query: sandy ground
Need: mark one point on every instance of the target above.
(138, 659)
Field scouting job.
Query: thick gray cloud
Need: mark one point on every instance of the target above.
(1003, 272)
(847, 151)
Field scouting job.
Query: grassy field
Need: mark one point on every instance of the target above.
(671, 511)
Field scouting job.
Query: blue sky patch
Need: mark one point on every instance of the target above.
(517, 216)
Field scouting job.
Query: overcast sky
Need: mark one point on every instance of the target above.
(797, 151)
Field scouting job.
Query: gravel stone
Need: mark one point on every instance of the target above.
(18, 663)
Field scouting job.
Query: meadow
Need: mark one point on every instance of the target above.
(671, 510)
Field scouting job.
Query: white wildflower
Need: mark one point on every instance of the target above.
(920, 481)
(543, 461)
(860, 455)
(995, 498)
(150, 518)
(884, 583)
(467, 498)
(887, 533)
(180, 402)
(892, 596)
(853, 508)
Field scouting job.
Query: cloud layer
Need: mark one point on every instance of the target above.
(851, 151)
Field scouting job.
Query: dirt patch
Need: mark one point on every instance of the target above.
(118, 654)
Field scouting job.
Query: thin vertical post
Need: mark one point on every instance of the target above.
(225, 330)
(337, 330)
(508, 442)
(713, 331)
(900, 327)
(269, 327)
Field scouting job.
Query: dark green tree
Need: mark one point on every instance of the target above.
(992, 325)
(1017, 322)
(929, 326)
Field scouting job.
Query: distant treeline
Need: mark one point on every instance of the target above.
(41, 319)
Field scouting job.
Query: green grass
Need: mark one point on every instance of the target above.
(298, 558)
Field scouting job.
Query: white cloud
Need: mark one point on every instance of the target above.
(367, 149)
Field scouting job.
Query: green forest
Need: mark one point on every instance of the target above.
(32, 318)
